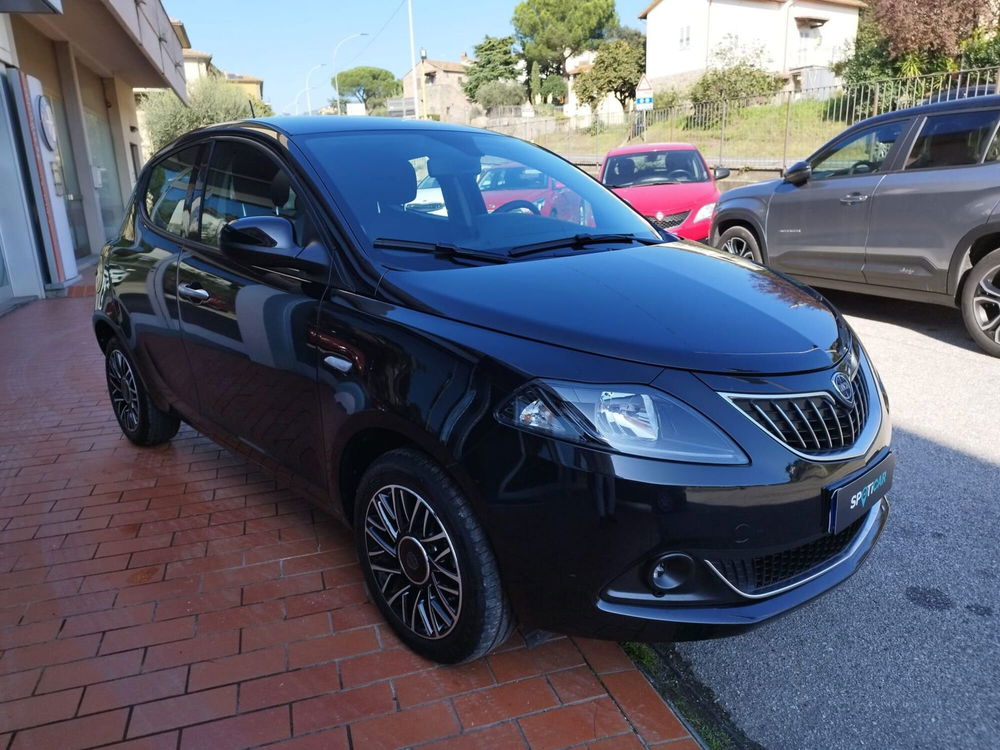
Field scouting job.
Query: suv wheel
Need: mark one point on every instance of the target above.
(426, 560)
(740, 241)
(981, 303)
(140, 419)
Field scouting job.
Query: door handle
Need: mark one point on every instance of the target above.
(852, 199)
(340, 364)
(193, 294)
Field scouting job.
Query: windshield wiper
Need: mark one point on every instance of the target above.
(438, 249)
(578, 241)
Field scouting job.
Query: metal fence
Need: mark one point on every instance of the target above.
(768, 132)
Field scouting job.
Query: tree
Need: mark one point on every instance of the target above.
(737, 73)
(913, 37)
(626, 33)
(870, 58)
(617, 69)
(535, 82)
(495, 61)
(930, 27)
(546, 29)
(500, 94)
(370, 86)
(553, 86)
(211, 100)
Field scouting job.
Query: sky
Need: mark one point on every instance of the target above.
(281, 41)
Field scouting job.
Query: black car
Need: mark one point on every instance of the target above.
(569, 423)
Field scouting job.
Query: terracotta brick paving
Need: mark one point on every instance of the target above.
(179, 597)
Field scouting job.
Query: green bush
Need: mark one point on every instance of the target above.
(211, 100)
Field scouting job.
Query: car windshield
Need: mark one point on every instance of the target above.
(655, 168)
(492, 193)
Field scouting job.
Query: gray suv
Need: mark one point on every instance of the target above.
(904, 205)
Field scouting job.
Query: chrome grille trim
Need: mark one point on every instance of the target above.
(669, 222)
(816, 425)
(866, 531)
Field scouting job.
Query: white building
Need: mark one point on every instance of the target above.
(801, 38)
(609, 107)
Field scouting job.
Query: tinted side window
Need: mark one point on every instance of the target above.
(862, 153)
(244, 181)
(167, 189)
(953, 140)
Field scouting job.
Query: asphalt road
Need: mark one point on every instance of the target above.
(906, 654)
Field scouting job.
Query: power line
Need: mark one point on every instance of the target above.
(379, 32)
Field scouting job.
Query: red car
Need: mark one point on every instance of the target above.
(668, 183)
(514, 187)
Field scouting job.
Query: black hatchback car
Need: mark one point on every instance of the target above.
(573, 423)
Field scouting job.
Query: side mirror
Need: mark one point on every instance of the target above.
(266, 242)
(799, 173)
(721, 173)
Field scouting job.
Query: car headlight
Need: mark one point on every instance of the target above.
(632, 419)
(539, 203)
(705, 212)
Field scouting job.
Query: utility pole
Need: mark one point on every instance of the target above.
(336, 85)
(309, 103)
(413, 62)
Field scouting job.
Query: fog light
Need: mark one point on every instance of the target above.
(671, 571)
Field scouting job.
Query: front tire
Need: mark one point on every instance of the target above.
(140, 419)
(740, 241)
(981, 303)
(426, 560)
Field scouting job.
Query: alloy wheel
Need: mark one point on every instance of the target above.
(986, 304)
(123, 390)
(739, 247)
(413, 561)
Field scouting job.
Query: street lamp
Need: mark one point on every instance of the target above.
(309, 104)
(336, 85)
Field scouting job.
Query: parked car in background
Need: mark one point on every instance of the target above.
(668, 183)
(518, 188)
(903, 205)
(558, 420)
(428, 198)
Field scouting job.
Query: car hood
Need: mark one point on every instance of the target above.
(679, 305)
(668, 199)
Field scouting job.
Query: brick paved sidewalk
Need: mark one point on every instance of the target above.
(177, 595)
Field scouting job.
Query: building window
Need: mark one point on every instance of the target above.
(685, 40)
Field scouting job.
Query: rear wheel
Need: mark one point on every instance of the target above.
(740, 241)
(139, 418)
(981, 303)
(426, 560)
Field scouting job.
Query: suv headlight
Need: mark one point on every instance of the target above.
(631, 419)
(705, 212)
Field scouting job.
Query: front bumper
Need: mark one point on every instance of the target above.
(575, 530)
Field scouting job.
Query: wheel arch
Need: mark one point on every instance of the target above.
(741, 218)
(974, 246)
(368, 437)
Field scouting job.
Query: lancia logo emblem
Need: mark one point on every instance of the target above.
(843, 388)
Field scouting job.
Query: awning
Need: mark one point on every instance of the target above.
(139, 47)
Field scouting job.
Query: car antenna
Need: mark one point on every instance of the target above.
(252, 113)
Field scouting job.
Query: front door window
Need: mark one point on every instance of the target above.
(862, 153)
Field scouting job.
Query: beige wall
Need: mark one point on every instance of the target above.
(6, 41)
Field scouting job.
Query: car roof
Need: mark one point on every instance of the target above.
(933, 108)
(306, 125)
(642, 148)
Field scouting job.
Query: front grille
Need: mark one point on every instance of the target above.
(755, 575)
(669, 222)
(815, 424)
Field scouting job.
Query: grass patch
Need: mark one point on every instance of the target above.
(694, 702)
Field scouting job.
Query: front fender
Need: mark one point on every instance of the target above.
(961, 263)
(750, 210)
